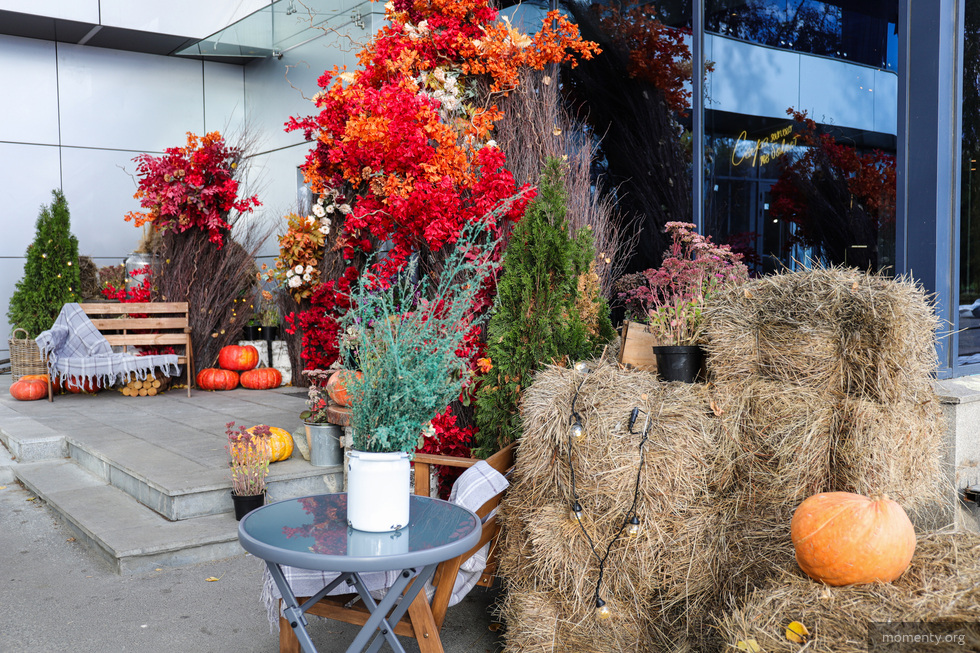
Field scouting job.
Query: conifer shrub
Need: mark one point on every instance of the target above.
(549, 309)
(51, 277)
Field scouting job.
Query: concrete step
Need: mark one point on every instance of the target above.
(129, 536)
(164, 481)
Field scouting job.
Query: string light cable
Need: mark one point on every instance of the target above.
(631, 521)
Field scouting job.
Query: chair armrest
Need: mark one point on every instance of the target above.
(449, 461)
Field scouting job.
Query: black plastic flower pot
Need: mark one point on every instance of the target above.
(251, 332)
(246, 504)
(679, 362)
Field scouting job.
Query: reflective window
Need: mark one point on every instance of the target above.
(969, 271)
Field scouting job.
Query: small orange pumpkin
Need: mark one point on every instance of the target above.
(337, 386)
(217, 379)
(280, 443)
(29, 389)
(261, 378)
(238, 357)
(842, 538)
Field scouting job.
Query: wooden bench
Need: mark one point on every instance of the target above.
(424, 618)
(164, 324)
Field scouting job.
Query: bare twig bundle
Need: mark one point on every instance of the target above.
(211, 281)
(833, 329)
(535, 127)
(942, 585)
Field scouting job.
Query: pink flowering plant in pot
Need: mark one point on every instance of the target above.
(671, 298)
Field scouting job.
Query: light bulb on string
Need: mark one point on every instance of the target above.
(578, 431)
(576, 513)
(581, 366)
(602, 611)
(633, 529)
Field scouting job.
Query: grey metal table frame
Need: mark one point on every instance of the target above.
(416, 568)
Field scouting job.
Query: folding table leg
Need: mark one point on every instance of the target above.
(407, 598)
(293, 613)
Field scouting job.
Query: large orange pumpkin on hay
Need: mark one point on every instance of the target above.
(337, 386)
(842, 538)
(238, 357)
(29, 388)
(261, 378)
(215, 379)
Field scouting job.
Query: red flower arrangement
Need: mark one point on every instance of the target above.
(407, 137)
(191, 187)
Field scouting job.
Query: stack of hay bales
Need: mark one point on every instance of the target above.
(820, 382)
(546, 556)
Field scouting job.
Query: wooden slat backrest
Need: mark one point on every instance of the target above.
(162, 324)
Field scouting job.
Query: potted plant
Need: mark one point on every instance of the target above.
(405, 336)
(322, 437)
(670, 299)
(250, 456)
(269, 322)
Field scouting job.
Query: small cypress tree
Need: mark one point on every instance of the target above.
(51, 277)
(539, 318)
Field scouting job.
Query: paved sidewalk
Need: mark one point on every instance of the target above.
(56, 595)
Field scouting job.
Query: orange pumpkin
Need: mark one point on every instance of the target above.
(261, 378)
(34, 377)
(337, 386)
(280, 443)
(843, 538)
(216, 379)
(238, 357)
(29, 389)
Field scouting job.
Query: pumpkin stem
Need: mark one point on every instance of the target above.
(880, 497)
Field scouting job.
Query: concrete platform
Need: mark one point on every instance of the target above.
(144, 481)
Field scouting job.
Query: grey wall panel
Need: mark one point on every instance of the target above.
(224, 98)
(127, 100)
(85, 11)
(274, 173)
(99, 189)
(29, 173)
(29, 79)
(277, 89)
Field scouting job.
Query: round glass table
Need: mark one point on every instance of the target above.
(312, 533)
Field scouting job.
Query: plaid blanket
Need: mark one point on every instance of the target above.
(477, 485)
(76, 351)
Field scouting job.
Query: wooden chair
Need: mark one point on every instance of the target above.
(424, 618)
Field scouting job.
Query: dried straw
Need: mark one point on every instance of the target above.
(832, 329)
(942, 584)
(832, 395)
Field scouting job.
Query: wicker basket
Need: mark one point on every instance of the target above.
(25, 357)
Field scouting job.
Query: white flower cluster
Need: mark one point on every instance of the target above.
(416, 32)
(297, 276)
(446, 89)
(326, 206)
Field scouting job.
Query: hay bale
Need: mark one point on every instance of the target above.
(664, 571)
(837, 330)
(896, 450)
(777, 443)
(942, 584)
